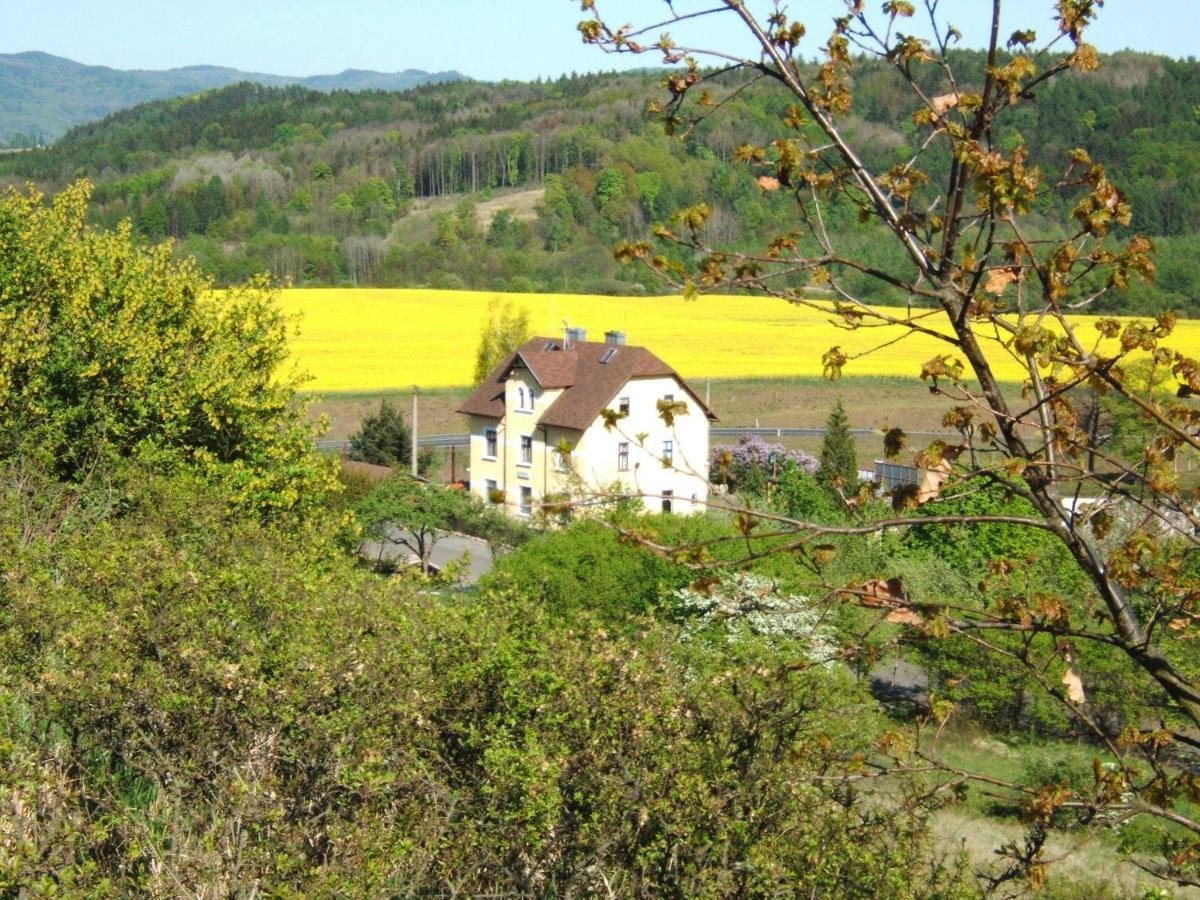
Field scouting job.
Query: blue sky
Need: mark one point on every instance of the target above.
(488, 39)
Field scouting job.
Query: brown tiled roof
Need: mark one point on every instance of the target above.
(378, 473)
(588, 384)
(488, 398)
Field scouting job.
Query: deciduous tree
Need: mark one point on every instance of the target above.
(985, 278)
(406, 513)
(109, 349)
(505, 328)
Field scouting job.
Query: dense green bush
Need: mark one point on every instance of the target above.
(971, 548)
(990, 566)
(586, 567)
(801, 495)
(194, 701)
(112, 350)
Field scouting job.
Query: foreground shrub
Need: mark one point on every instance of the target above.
(112, 349)
(586, 567)
(194, 702)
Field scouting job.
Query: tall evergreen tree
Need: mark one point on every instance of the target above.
(384, 439)
(839, 461)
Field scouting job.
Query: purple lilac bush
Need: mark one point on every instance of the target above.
(730, 463)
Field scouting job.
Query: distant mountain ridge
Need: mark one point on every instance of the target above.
(42, 96)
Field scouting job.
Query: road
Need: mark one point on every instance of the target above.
(445, 550)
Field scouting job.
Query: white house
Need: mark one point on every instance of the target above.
(553, 393)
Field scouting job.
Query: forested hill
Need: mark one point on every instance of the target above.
(526, 186)
(41, 96)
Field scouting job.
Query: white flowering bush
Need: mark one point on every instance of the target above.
(743, 603)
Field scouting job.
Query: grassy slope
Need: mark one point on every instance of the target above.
(1089, 860)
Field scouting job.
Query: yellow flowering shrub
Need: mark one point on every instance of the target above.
(111, 349)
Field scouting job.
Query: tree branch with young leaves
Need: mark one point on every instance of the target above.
(989, 276)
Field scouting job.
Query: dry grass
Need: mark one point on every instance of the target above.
(1084, 861)
(777, 402)
(522, 204)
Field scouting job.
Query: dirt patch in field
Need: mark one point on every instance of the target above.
(871, 403)
(1083, 860)
(806, 402)
(436, 411)
(522, 204)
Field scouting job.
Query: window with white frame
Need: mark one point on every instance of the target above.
(668, 398)
(668, 453)
(667, 498)
(561, 460)
(623, 406)
(492, 490)
(525, 398)
(490, 443)
(623, 457)
(526, 507)
(526, 450)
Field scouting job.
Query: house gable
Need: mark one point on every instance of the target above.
(574, 384)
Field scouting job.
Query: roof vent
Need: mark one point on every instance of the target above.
(615, 338)
(576, 336)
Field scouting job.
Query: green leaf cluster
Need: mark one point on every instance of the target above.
(193, 699)
(110, 349)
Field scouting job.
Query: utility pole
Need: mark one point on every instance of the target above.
(413, 453)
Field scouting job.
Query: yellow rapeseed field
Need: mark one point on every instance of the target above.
(366, 340)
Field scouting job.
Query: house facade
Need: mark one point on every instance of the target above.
(556, 394)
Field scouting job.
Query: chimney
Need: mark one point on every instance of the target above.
(614, 338)
(575, 336)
